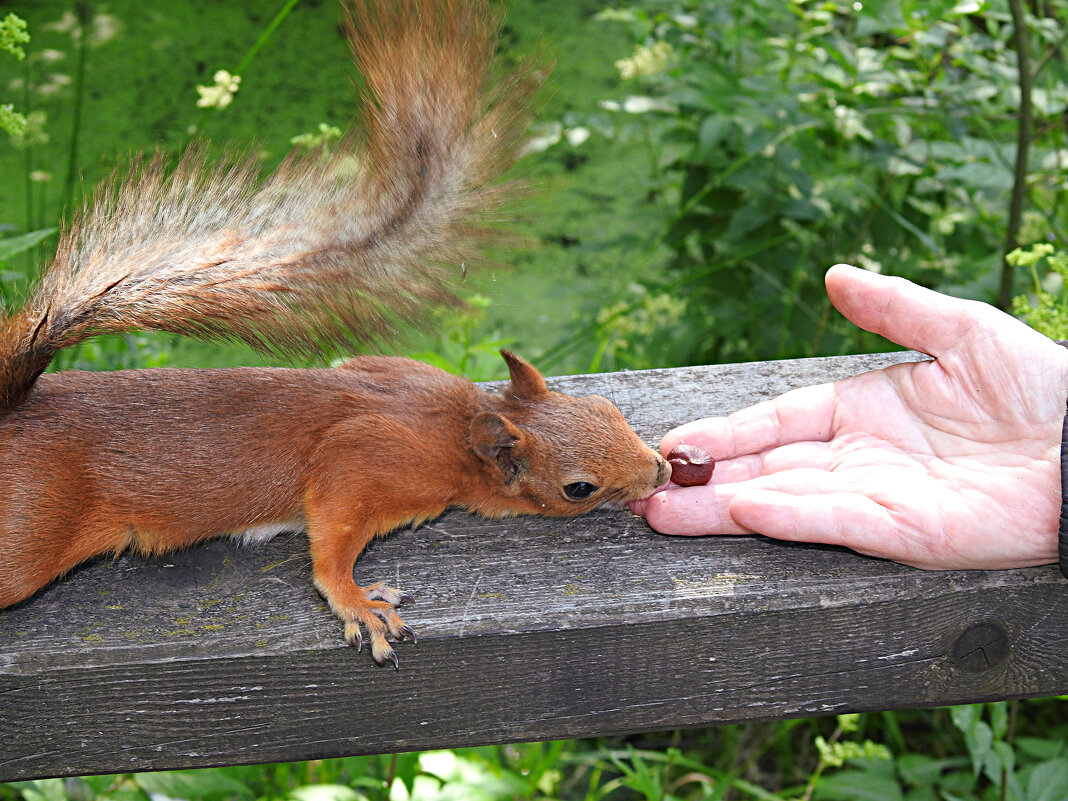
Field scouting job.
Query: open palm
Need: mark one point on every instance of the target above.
(950, 463)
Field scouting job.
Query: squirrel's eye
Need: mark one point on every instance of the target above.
(580, 490)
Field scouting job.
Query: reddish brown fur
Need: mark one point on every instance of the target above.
(154, 460)
(355, 451)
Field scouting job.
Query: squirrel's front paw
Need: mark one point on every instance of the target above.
(374, 610)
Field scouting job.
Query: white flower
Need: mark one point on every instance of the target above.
(850, 123)
(222, 93)
(576, 136)
(645, 61)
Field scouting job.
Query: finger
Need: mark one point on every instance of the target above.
(707, 509)
(903, 312)
(696, 511)
(711, 434)
(689, 511)
(742, 468)
(836, 518)
(799, 415)
(795, 456)
(747, 468)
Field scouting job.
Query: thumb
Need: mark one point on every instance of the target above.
(901, 311)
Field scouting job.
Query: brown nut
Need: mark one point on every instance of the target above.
(690, 466)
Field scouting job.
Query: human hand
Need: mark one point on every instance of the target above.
(951, 463)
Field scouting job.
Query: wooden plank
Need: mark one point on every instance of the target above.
(529, 629)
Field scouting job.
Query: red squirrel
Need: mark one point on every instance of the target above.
(328, 249)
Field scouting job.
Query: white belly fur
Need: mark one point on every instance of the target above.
(268, 531)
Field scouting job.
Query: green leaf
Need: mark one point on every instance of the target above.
(979, 740)
(1000, 758)
(99, 785)
(325, 792)
(855, 785)
(978, 736)
(125, 793)
(195, 785)
(1040, 747)
(42, 790)
(714, 129)
(922, 794)
(406, 769)
(999, 719)
(23, 242)
(13, 35)
(1049, 781)
(920, 769)
(11, 121)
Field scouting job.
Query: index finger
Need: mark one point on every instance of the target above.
(801, 415)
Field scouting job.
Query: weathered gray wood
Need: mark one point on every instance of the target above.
(529, 629)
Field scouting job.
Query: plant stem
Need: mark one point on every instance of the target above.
(265, 36)
(1023, 146)
(242, 65)
(85, 16)
(27, 147)
(815, 778)
(1010, 739)
(391, 774)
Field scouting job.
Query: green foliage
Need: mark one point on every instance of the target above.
(11, 121)
(12, 36)
(835, 753)
(13, 246)
(115, 352)
(995, 764)
(789, 136)
(1016, 751)
(10, 247)
(637, 329)
(459, 347)
(323, 135)
(1046, 310)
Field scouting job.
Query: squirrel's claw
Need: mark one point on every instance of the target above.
(353, 635)
(391, 656)
(381, 651)
(372, 610)
(394, 597)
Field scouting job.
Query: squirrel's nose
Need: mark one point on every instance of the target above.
(663, 470)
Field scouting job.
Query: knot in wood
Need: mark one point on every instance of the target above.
(981, 647)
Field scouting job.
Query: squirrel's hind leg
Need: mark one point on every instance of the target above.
(46, 531)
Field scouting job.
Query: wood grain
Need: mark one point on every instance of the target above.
(529, 629)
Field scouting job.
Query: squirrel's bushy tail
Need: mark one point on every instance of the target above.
(328, 249)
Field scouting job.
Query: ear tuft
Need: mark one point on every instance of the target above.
(527, 382)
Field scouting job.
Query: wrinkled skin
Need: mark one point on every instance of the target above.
(952, 463)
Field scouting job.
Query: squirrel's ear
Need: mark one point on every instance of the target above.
(494, 439)
(527, 383)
